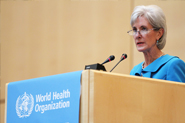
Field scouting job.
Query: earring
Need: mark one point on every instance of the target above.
(157, 42)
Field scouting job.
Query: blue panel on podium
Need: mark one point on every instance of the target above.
(50, 99)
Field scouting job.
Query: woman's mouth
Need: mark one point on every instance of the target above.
(140, 43)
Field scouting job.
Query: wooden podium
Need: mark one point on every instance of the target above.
(116, 98)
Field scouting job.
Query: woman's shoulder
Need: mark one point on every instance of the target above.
(176, 69)
(175, 60)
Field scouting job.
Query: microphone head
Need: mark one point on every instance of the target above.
(111, 58)
(124, 56)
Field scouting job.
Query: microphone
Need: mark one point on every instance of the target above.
(111, 58)
(99, 66)
(124, 56)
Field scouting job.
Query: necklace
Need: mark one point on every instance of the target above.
(158, 57)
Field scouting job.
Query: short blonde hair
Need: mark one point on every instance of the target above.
(155, 17)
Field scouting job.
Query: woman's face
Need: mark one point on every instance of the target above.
(145, 42)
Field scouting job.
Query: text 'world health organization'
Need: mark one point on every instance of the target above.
(52, 101)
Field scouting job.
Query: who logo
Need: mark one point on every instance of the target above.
(24, 105)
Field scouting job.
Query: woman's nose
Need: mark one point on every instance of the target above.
(138, 34)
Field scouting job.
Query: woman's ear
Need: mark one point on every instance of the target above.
(160, 33)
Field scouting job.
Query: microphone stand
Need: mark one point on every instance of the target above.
(115, 65)
(124, 56)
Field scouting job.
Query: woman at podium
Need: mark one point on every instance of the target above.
(149, 32)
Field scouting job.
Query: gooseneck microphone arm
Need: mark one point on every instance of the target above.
(124, 56)
(115, 66)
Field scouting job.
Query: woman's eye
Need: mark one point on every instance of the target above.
(144, 29)
(134, 30)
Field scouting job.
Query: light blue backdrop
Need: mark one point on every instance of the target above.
(50, 99)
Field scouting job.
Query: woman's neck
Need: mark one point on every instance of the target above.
(151, 56)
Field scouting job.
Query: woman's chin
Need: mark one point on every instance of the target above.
(141, 49)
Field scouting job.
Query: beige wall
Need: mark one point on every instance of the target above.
(41, 38)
